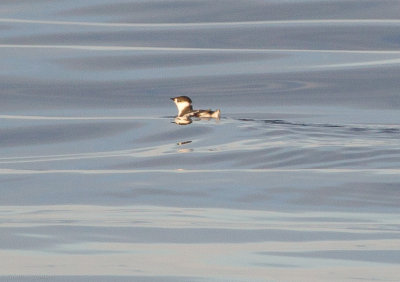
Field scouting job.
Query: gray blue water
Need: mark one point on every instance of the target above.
(298, 181)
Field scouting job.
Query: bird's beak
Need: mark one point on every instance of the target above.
(173, 99)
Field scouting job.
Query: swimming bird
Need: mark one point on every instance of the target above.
(185, 109)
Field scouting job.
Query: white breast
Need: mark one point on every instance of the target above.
(182, 106)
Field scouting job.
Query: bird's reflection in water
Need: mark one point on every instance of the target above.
(183, 120)
(184, 142)
(184, 150)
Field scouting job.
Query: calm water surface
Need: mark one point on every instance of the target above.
(298, 181)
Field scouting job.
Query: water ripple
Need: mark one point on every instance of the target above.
(318, 22)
